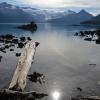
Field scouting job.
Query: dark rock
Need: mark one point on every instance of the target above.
(90, 35)
(0, 58)
(33, 96)
(18, 54)
(11, 49)
(39, 96)
(36, 77)
(15, 41)
(8, 41)
(7, 37)
(30, 98)
(76, 34)
(21, 45)
(22, 39)
(92, 64)
(98, 41)
(82, 33)
(31, 27)
(79, 89)
(2, 49)
(88, 39)
(28, 38)
(2, 41)
(37, 43)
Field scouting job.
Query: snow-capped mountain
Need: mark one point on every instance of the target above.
(48, 13)
(72, 19)
(51, 14)
(14, 14)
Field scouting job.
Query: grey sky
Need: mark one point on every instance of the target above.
(63, 3)
(57, 3)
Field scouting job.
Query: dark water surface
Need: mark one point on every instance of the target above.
(66, 61)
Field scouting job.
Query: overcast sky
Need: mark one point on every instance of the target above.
(92, 5)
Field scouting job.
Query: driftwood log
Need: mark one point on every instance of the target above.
(18, 83)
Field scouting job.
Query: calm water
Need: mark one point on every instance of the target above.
(63, 58)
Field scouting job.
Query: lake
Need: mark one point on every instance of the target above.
(68, 62)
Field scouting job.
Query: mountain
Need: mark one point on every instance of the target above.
(14, 14)
(56, 13)
(72, 19)
(37, 14)
(71, 12)
(47, 13)
(93, 21)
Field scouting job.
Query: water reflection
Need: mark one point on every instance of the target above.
(64, 59)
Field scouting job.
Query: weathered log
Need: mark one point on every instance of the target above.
(18, 82)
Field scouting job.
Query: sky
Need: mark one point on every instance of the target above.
(90, 5)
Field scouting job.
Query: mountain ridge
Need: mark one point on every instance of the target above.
(93, 21)
(14, 14)
(73, 18)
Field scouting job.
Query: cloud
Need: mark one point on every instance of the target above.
(81, 3)
(62, 3)
(56, 3)
(42, 3)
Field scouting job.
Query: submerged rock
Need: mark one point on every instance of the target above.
(76, 34)
(88, 39)
(79, 89)
(29, 39)
(90, 35)
(7, 41)
(7, 37)
(36, 77)
(2, 49)
(18, 54)
(11, 49)
(15, 41)
(22, 39)
(0, 58)
(21, 96)
(21, 45)
(98, 41)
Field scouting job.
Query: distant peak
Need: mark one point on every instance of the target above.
(4, 3)
(83, 11)
(71, 12)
